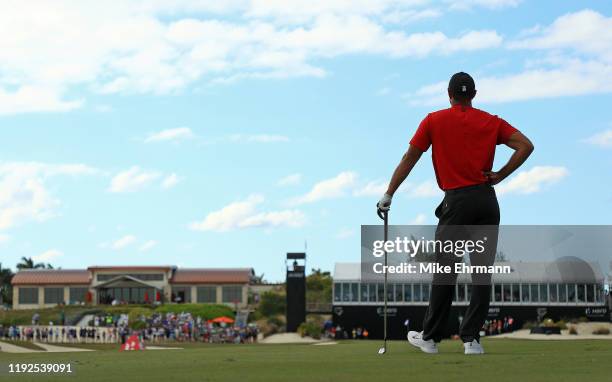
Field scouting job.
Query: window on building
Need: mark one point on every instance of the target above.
(497, 292)
(28, 295)
(571, 292)
(232, 293)
(425, 292)
(354, 292)
(535, 297)
(516, 293)
(553, 293)
(543, 292)
(207, 294)
(181, 294)
(364, 293)
(372, 292)
(525, 293)
(599, 293)
(562, 292)
(346, 292)
(590, 292)
(408, 292)
(399, 292)
(416, 292)
(54, 295)
(337, 292)
(77, 295)
(507, 292)
(390, 292)
(381, 292)
(580, 295)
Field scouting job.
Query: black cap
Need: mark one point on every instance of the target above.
(461, 85)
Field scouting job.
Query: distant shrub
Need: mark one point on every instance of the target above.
(561, 325)
(310, 329)
(583, 319)
(529, 325)
(572, 330)
(206, 311)
(272, 303)
(602, 330)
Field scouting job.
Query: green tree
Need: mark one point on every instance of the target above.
(272, 303)
(319, 287)
(6, 294)
(28, 263)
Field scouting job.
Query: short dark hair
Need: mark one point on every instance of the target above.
(462, 87)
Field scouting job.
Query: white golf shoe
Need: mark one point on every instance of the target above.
(416, 339)
(473, 347)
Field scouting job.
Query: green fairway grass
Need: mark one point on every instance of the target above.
(506, 360)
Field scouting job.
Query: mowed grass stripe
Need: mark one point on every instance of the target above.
(506, 360)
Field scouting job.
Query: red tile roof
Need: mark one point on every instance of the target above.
(51, 276)
(131, 268)
(212, 276)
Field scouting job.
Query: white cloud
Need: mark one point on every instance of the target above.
(420, 219)
(48, 256)
(586, 31)
(147, 246)
(577, 60)
(170, 181)
(176, 134)
(426, 189)
(172, 45)
(329, 188)
(133, 179)
(23, 190)
(603, 139)
(244, 214)
(574, 78)
(372, 188)
(345, 233)
(533, 180)
(410, 15)
(259, 138)
(290, 180)
(29, 98)
(123, 242)
(491, 4)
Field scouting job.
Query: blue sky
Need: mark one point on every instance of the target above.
(224, 134)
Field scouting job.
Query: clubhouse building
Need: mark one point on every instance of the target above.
(38, 288)
(569, 288)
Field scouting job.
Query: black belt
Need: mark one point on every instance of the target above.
(467, 188)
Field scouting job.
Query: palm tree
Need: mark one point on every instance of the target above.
(28, 263)
(6, 275)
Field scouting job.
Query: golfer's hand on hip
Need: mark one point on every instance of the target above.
(384, 204)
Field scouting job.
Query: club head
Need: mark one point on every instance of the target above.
(382, 350)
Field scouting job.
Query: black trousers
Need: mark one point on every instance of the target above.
(458, 214)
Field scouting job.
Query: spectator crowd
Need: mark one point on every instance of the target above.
(157, 328)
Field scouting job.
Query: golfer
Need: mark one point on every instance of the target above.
(463, 141)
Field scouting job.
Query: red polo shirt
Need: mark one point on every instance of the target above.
(463, 140)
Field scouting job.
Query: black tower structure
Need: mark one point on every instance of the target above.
(296, 290)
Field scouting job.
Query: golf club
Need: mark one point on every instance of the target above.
(384, 215)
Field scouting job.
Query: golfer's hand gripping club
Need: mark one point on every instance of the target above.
(383, 205)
